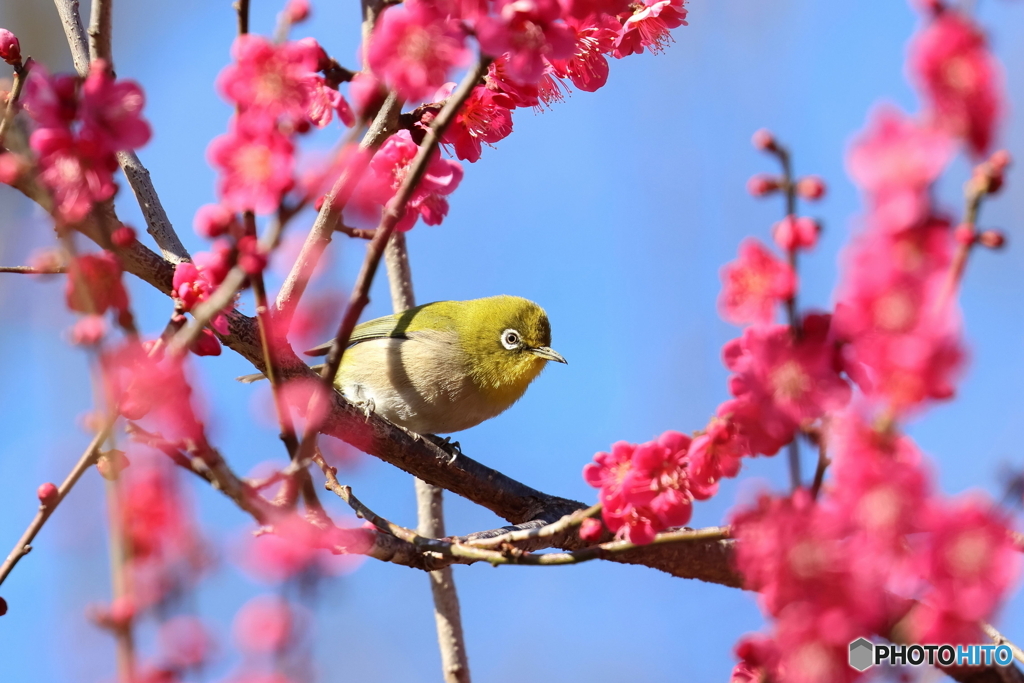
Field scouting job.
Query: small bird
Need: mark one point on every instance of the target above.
(446, 366)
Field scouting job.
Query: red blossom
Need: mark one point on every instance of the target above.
(960, 78)
(895, 161)
(971, 561)
(94, 284)
(644, 489)
(388, 169)
(529, 31)
(789, 381)
(111, 111)
(754, 284)
(649, 27)
(194, 282)
(485, 118)
(186, 642)
(76, 171)
(414, 47)
(498, 80)
(51, 101)
(892, 309)
(713, 455)
(275, 81)
(144, 386)
(265, 624)
(213, 220)
(255, 164)
(587, 68)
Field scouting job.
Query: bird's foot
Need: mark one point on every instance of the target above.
(366, 405)
(446, 444)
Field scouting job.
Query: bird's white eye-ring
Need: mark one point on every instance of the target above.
(510, 339)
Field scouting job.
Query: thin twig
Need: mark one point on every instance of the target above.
(329, 217)
(546, 532)
(999, 639)
(242, 7)
(119, 582)
(73, 29)
(100, 31)
(87, 460)
(30, 270)
(819, 472)
(20, 76)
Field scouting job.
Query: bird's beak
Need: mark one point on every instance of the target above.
(548, 353)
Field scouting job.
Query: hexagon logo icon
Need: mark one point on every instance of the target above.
(862, 654)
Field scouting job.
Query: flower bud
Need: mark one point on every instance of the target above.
(111, 464)
(591, 530)
(964, 234)
(250, 257)
(764, 140)
(762, 184)
(122, 611)
(48, 494)
(811, 188)
(10, 48)
(212, 220)
(206, 344)
(793, 233)
(296, 11)
(11, 167)
(993, 239)
(1000, 160)
(123, 237)
(89, 330)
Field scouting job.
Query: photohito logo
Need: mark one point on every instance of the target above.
(864, 654)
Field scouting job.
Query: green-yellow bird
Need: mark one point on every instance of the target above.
(446, 366)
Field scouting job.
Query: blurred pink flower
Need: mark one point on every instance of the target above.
(754, 284)
(415, 47)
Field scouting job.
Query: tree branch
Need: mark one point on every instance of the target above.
(100, 31)
(72, 22)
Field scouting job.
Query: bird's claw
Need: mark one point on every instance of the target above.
(446, 444)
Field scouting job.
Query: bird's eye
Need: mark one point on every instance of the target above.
(510, 339)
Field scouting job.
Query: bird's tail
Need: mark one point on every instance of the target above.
(256, 377)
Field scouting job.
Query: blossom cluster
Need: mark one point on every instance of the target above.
(850, 564)
(875, 544)
(80, 125)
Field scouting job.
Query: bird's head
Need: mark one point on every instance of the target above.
(507, 341)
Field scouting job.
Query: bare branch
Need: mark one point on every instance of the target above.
(100, 31)
(72, 21)
(29, 270)
(158, 225)
(20, 76)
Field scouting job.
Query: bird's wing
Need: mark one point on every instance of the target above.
(390, 326)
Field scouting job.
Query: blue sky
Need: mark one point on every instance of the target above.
(614, 211)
